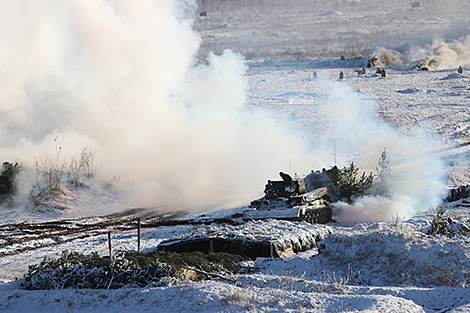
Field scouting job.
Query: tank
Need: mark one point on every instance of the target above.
(288, 200)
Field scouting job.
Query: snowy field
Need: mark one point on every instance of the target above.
(227, 122)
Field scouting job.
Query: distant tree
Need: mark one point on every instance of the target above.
(384, 173)
(8, 174)
(351, 184)
(383, 166)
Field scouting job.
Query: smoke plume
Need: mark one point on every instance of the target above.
(350, 122)
(442, 55)
(438, 55)
(120, 77)
(385, 57)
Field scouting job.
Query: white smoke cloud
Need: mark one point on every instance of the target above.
(385, 57)
(375, 209)
(351, 122)
(120, 77)
(441, 54)
(438, 54)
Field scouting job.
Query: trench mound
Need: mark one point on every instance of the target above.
(263, 238)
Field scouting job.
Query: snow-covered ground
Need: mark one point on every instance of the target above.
(261, 114)
(371, 267)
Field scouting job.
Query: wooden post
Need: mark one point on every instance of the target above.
(110, 248)
(138, 235)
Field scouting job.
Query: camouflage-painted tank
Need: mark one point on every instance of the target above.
(288, 200)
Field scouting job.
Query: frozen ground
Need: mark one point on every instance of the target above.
(370, 267)
(369, 263)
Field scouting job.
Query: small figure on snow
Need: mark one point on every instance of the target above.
(378, 71)
(383, 73)
(314, 75)
(460, 70)
(360, 71)
(341, 75)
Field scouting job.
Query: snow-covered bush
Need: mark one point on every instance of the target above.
(128, 270)
(440, 225)
(75, 270)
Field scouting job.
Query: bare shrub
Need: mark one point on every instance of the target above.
(334, 284)
(49, 172)
(82, 164)
(340, 309)
(245, 297)
(397, 221)
(52, 172)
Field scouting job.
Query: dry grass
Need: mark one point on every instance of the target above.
(53, 174)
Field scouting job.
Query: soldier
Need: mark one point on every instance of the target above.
(286, 178)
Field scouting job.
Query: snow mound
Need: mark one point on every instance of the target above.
(331, 13)
(92, 197)
(352, 33)
(409, 90)
(454, 76)
(268, 230)
(390, 255)
(286, 237)
(289, 94)
(206, 296)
